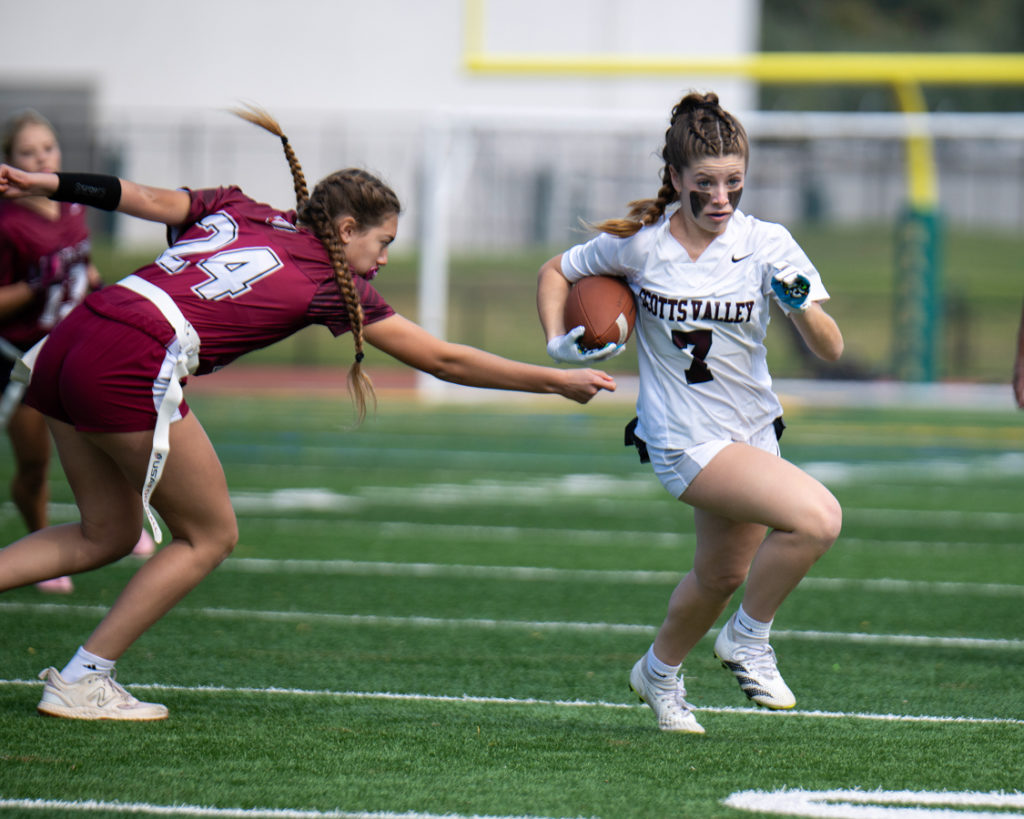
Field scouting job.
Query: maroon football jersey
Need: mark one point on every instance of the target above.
(31, 244)
(244, 276)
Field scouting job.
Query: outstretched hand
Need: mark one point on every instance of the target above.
(582, 385)
(566, 348)
(16, 183)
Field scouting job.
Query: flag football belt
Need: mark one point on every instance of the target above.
(186, 363)
(12, 394)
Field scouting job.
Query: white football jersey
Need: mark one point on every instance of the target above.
(700, 325)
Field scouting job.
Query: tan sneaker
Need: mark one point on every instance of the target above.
(95, 696)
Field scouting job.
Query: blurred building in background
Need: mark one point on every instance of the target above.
(143, 93)
(383, 86)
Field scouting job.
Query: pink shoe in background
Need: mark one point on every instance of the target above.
(59, 585)
(145, 547)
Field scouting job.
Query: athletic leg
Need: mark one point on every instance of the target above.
(724, 551)
(30, 443)
(746, 483)
(109, 506)
(192, 498)
(743, 483)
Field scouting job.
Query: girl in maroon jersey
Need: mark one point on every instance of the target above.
(45, 271)
(239, 275)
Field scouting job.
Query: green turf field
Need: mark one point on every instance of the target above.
(436, 615)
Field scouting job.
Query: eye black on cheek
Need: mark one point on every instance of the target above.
(698, 201)
(734, 197)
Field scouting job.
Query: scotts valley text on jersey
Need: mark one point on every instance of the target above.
(732, 312)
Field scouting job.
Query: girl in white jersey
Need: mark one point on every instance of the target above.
(703, 273)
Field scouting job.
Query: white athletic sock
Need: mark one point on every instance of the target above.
(84, 663)
(746, 628)
(659, 670)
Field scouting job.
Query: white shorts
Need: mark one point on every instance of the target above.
(676, 468)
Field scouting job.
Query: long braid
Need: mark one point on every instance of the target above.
(314, 215)
(259, 116)
(351, 192)
(699, 128)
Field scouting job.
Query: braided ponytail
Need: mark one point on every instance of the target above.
(699, 128)
(259, 116)
(351, 192)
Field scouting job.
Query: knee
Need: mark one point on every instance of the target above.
(220, 541)
(229, 540)
(823, 523)
(114, 536)
(722, 582)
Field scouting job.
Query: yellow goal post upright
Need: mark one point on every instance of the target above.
(919, 238)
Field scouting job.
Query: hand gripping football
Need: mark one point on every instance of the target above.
(604, 306)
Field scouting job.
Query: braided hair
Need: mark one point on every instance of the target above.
(699, 128)
(350, 192)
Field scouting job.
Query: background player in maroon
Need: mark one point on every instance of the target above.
(243, 275)
(45, 271)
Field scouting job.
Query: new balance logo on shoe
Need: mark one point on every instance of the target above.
(99, 696)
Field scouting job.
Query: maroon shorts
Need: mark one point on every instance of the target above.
(100, 375)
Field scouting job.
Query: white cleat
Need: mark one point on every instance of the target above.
(667, 701)
(756, 670)
(95, 696)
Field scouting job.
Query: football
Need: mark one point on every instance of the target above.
(604, 306)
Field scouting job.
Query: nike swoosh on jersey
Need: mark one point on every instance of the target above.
(736, 258)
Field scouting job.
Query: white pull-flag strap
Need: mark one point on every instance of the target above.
(185, 364)
(11, 398)
(23, 365)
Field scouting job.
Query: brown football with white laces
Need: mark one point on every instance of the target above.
(605, 307)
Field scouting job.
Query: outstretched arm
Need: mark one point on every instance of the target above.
(154, 204)
(462, 364)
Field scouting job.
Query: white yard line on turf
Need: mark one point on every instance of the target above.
(620, 539)
(143, 808)
(539, 492)
(530, 701)
(532, 625)
(637, 576)
(845, 803)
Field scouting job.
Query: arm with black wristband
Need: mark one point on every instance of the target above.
(164, 205)
(94, 189)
